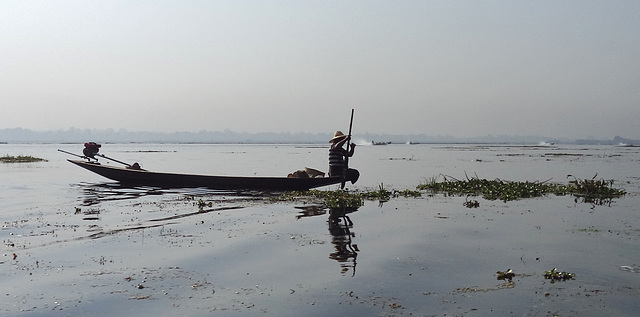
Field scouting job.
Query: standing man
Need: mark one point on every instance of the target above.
(338, 155)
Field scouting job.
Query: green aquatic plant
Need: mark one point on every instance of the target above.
(595, 191)
(20, 159)
(471, 204)
(492, 189)
(332, 199)
(555, 275)
(590, 190)
(506, 275)
(588, 230)
(407, 193)
(383, 194)
(202, 204)
(343, 198)
(496, 189)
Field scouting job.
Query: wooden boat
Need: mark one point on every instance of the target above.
(129, 176)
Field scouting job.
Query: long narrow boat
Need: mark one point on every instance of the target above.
(128, 176)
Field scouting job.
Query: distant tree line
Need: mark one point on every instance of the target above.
(74, 135)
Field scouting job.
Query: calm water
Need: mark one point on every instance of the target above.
(74, 244)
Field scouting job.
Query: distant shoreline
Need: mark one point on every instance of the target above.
(75, 136)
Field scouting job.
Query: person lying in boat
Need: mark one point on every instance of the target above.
(135, 166)
(338, 155)
(306, 173)
(298, 174)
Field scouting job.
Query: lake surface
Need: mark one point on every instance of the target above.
(76, 244)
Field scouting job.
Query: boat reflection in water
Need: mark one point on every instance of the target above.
(340, 226)
(92, 194)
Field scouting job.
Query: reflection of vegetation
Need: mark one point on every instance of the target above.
(20, 159)
(590, 190)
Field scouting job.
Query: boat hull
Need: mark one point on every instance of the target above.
(172, 180)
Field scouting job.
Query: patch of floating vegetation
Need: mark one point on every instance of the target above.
(202, 204)
(555, 275)
(595, 191)
(565, 154)
(590, 190)
(588, 230)
(20, 159)
(505, 275)
(343, 199)
(471, 204)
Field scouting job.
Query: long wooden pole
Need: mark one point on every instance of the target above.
(346, 158)
(109, 158)
(80, 156)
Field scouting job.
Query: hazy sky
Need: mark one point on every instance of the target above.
(460, 68)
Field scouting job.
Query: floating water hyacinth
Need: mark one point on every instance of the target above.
(20, 159)
(343, 198)
(593, 191)
(590, 191)
(506, 275)
(555, 275)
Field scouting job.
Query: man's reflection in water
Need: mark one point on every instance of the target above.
(341, 237)
(340, 226)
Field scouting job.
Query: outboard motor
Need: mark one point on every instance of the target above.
(91, 149)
